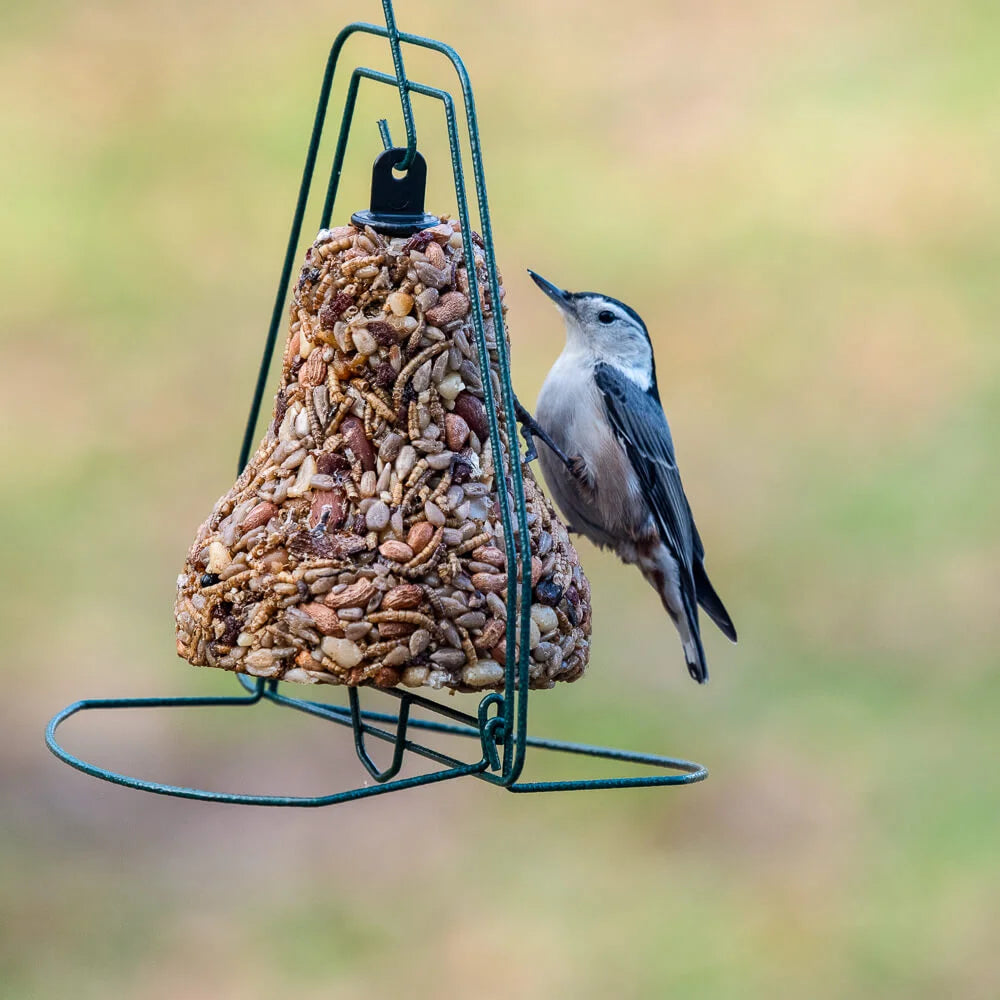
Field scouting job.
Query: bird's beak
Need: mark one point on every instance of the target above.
(561, 298)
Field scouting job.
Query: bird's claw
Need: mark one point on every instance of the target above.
(530, 429)
(530, 451)
(578, 470)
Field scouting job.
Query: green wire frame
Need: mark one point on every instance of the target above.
(501, 721)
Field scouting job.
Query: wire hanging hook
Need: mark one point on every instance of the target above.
(404, 87)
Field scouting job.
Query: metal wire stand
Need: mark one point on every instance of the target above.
(500, 725)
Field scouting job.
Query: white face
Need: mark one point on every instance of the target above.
(605, 328)
(609, 331)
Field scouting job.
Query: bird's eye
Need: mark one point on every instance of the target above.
(606, 316)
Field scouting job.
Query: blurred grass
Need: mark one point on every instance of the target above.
(802, 202)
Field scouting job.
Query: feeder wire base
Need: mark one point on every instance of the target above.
(365, 724)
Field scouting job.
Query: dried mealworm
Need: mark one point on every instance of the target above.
(472, 543)
(412, 365)
(315, 428)
(333, 384)
(377, 650)
(413, 421)
(431, 547)
(470, 651)
(338, 418)
(419, 470)
(405, 617)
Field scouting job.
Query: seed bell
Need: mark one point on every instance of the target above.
(363, 544)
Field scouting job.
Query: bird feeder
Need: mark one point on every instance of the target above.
(387, 532)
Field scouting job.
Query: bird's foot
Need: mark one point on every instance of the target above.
(530, 429)
(581, 474)
(530, 451)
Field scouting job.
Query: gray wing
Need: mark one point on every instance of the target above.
(639, 424)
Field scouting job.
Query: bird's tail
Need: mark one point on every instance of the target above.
(694, 652)
(712, 603)
(680, 601)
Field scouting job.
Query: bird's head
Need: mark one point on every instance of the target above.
(606, 328)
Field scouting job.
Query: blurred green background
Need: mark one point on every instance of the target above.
(802, 201)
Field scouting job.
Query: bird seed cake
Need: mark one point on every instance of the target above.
(362, 544)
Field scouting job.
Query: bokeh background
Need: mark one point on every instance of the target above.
(802, 201)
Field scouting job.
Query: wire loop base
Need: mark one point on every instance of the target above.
(392, 728)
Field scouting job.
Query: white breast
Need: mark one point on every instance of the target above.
(571, 410)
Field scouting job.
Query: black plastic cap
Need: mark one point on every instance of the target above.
(397, 203)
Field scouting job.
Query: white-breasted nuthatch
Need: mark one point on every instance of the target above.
(610, 461)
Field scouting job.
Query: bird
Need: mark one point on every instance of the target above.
(609, 459)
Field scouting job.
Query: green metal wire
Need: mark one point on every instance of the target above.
(500, 723)
(689, 771)
(404, 86)
(383, 131)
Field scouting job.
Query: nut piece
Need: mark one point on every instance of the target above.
(333, 501)
(261, 663)
(435, 256)
(415, 677)
(404, 597)
(353, 429)
(386, 676)
(534, 634)
(355, 595)
(313, 372)
(396, 551)
(472, 411)
(343, 652)
(260, 514)
(364, 341)
(490, 583)
(400, 303)
(326, 619)
(218, 558)
(483, 674)
(456, 431)
(450, 386)
(395, 630)
(274, 561)
(451, 306)
(419, 535)
(490, 554)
